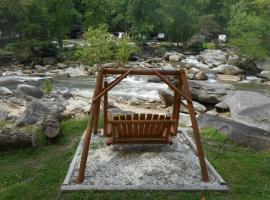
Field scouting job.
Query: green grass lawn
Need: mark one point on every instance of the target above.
(38, 173)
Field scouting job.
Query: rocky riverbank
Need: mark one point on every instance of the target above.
(213, 76)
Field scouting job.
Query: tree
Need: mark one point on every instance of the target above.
(250, 28)
(61, 16)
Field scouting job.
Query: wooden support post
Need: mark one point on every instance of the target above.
(97, 111)
(195, 129)
(177, 103)
(89, 128)
(105, 109)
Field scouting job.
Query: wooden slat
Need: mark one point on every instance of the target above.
(153, 125)
(141, 125)
(160, 126)
(123, 125)
(165, 121)
(135, 125)
(119, 131)
(129, 125)
(147, 125)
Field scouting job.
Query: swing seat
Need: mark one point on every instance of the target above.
(140, 129)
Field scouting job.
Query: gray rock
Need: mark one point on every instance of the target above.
(3, 115)
(200, 76)
(29, 90)
(228, 78)
(265, 74)
(222, 107)
(234, 60)
(242, 134)
(40, 69)
(208, 92)
(166, 97)
(250, 108)
(264, 64)
(175, 57)
(214, 57)
(49, 61)
(5, 91)
(228, 69)
(74, 72)
(37, 109)
(61, 66)
(168, 54)
(197, 107)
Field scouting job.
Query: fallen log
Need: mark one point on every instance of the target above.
(16, 139)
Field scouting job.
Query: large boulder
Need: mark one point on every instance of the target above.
(250, 108)
(242, 134)
(265, 74)
(74, 72)
(209, 92)
(29, 90)
(37, 109)
(228, 69)
(5, 91)
(214, 57)
(264, 64)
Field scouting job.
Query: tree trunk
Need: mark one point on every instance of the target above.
(13, 139)
(51, 125)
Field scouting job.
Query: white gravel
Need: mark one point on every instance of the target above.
(137, 165)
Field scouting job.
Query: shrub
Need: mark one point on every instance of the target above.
(101, 46)
(47, 86)
(31, 50)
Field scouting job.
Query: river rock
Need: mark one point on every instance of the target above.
(29, 90)
(168, 54)
(250, 108)
(223, 107)
(200, 76)
(5, 91)
(197, 107)
(166, 97)
(265, 74)
(37, 109)
(213, 57)
(264, 64)
(228, 78)
(175, 57)
(74, 72)
(3, 114)
(49, 61)
(242, 134)
(40, 69)
(228, 69)
(208, 92)
(61, 66)
(234, 60)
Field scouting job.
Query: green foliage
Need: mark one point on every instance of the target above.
(250, 28)
(47, 86)
(209, 45)
(102, 47)
(30, 50)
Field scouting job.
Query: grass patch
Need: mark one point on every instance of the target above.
(38, 173)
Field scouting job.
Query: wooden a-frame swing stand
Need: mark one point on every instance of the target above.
(140, 129)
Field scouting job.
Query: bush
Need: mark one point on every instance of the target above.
(101, 46)
(47, 86)
(30, 50)
(209, 45)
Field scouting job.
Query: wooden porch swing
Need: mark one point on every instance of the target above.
(140, 128)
